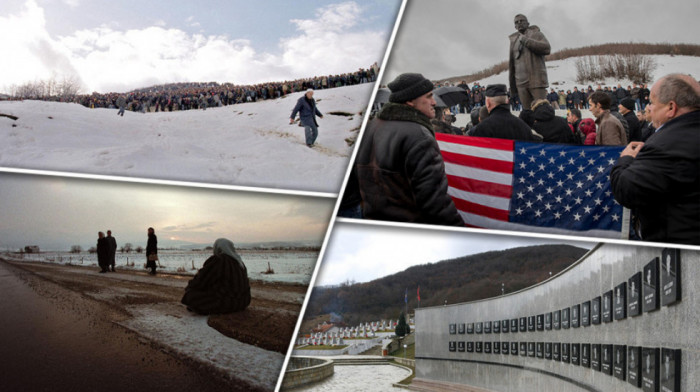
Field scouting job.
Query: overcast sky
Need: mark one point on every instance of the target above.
(56, 213)
(365, 252)
(122, 45)
(446, 38)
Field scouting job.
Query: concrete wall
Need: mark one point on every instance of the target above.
(601, 270)
(303, 371)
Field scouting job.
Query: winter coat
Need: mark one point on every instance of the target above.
(530, 71)
(102, 252)
(552, 128)
(307, 111)
(400, 170)
(221, 285)
(662, 184)
(587, 127)
(610, 131)
(635, 129)
(501, 124)
(151, 248)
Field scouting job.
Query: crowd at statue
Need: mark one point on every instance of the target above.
(189, 96)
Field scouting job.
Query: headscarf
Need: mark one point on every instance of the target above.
(223, 246)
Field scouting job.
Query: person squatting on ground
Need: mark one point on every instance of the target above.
(151, 251)
(102, 252)
(306, 107)
(527, 72)
(660, 179)
(221, 285)
(112, 242)
(400, 171)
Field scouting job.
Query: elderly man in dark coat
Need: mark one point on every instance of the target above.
(112, 242)
(151, 251)
(306, 107)
(221, 285)
(400, 170)
(527, 71)
(102, 252)
(660, 179)
(500, 123)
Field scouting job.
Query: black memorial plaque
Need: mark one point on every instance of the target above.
(670, 369)
(504, 326)
(634, 365)
(586, 355)
(565, 318)
(487, 347)
(460, 347)
(650, 286)
(586, 314)
(575, 316)
(548, 350)
(487, 327)
(548, 321)
(556, 319)
(620, 302)
(531, 324)
(470, 347)
(496, 347)
(670, 276)
(514, 325)
(523, 349)
(575, 353)
(606, 358)
(496, 326)
(513, 348)
(479, 327)
(453, 346)
(540, 322)
(522, 324)
(606, 307)
(619, 361)
(650, 369)
(470, 328)
(505, 348)
(479, 347)
(595, 357)
(566, 352)
(634, 295)
(556, 351)
(453, 329)
(595, 311)
(461, 329)
(531, 349)
(540, 350)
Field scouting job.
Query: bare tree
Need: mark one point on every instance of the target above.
(76, 249)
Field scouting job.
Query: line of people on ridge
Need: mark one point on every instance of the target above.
(220, 286)
(399, 173)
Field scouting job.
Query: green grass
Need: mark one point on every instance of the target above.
(410, 352)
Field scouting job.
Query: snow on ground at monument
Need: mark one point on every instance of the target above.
(378, 378)
(288, 266)
(248, 144)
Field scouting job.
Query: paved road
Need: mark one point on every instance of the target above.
(53, 339)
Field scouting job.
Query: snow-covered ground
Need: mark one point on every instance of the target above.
(250, 144)
(288, 266)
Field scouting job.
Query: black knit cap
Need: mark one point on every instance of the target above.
(409, 86)
(495, 90)
(628, 103)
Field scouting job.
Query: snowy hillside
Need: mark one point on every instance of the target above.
(562, 73)
(249, 144)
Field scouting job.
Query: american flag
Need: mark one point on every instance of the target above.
(537, 187)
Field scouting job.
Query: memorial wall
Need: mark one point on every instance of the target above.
(622, 318)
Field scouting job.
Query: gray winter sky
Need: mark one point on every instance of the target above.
(446, 38)
(121, 45)
(57, 212)
(363, 252)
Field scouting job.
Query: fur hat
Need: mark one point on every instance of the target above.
(408, 86)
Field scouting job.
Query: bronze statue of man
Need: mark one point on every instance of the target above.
(527, 71)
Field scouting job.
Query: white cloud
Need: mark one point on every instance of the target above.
(109, 59)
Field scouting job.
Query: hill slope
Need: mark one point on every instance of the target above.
(462, 279)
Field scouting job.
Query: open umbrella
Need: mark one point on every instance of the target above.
(450, 95)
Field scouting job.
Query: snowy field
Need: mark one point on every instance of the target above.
(288, 266)
(365, 378)
(249, 144)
